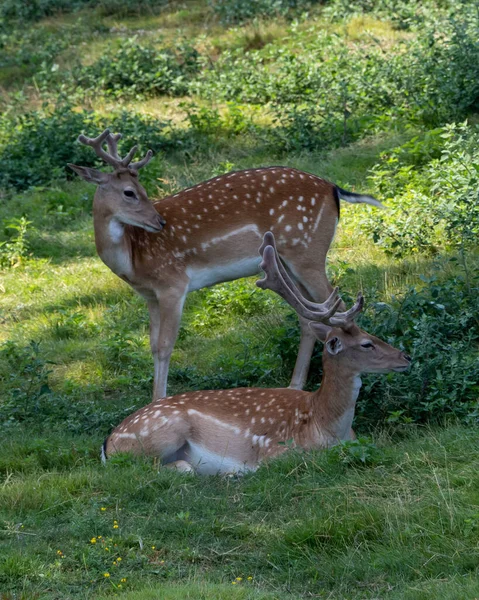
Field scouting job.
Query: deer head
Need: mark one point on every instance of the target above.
(344, 342)
(120, 194)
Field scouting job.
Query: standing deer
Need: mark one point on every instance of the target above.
(234, 430)
(209, 234)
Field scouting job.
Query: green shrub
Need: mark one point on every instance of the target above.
(14, 250)
(237, 11)
(134, 70)
(31, 47)
(438, 326)
(431, 190)
(128, 7)
(404, 14)
(27, 398)
(34, 10)
(322, 92)
(38, 145)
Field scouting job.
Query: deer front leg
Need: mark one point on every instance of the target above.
(165, 315)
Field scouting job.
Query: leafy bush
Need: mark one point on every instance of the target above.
(438, 326)
(37, 146)
(134, 70)
(28, 399)
(31, 46)
(323, 92)
(359, 452)
(431, 186)
(237, 11)
(128, 7)
(405, 14)
(14, 250)
(34, 10)
(208, 126)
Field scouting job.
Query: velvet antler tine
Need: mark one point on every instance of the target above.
(94, 142)
(268, 240)
(347, 318)
(112, 141)
(127, 160)
(144, 161)
(97, 145)
(112, 157)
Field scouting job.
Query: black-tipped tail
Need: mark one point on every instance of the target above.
(354, 198)
(103, 451)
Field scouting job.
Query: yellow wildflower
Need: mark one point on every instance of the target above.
(250, 578)
(234, 582)
(123, 580)
(118, 559)
(239, 579)
(93, 541)
(106, 574)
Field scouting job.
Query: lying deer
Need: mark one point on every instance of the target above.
(234, 430)
(209, 234)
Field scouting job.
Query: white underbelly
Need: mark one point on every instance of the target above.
(206, 462)
(204, 277)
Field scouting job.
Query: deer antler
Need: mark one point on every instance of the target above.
(277, 279)
(113, 158)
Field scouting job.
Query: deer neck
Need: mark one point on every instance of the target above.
(112, 242)
(334, 403)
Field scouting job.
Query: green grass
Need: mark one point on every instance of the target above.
(306, 524)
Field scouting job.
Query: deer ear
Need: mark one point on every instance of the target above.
(320, 330)
(334, 346)
(90, 175)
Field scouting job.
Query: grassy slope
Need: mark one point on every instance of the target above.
(314, 525)
(403, 527)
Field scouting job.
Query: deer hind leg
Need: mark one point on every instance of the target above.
(165, 316)
(305, 351)
(314, 285)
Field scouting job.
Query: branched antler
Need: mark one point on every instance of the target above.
(277, 279)
(113, 158)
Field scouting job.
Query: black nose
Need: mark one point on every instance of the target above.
(162, 221)
(407, 357)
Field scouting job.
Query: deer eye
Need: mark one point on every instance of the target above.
(367, 345)
(129, 194)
